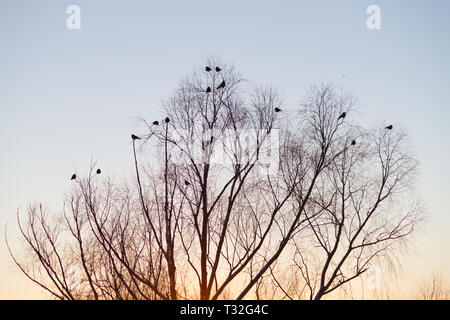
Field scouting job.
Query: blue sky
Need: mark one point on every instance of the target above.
(69, 96)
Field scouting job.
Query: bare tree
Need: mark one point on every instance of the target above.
(433, 288)
(98, 248)
(359, 210)
(215, 139)
(234, 186)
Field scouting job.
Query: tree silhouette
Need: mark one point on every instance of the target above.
(232, 188)
(357, 212)
(433, 288)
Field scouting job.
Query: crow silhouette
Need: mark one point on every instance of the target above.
(135, 137)
(342, 116)
(167, 120)
(221, 85)
(218, 69)
(353, 142)
(155, 123)
(208, 89)
(186, 183)
(98, 171)
(389, 127)
(277, 109)
(74, 176)
(208, 69)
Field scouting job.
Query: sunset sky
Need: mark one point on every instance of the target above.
(69, 96)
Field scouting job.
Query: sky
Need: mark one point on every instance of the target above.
(71, 96)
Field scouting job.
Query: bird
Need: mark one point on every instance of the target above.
(208, 69)
(208, 89)
(98, 171)
(186, 183)
(134, 137)
(155, 123)
(353, 142)
(342, 116)
(389, 127)
(221, 85)
(277, 109)
(167, 120)
(74, 176)
(218, 69)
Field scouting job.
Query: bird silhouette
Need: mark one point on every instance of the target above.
(218, 69)
(135, 137)
(186, 183)
(208, 69)
(208, 89)
(221, 85)
(98, 171)
(74, 176)
(277, 109)
(155, 123)
(342, 116)
(353, 142)
(389, 127)
(167, 120)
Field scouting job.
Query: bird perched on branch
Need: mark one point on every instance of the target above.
(208, 90)
(342, 116)
(134, 137)
(277, 109)
(155, 123)
(221, 85)
(208, 69)
(353, 142)
(98, 171)
(167, 120)
(74, 176)
(389, 127)
(186, 183)
(218, 69)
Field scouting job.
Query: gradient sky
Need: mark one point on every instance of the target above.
(69, 96)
